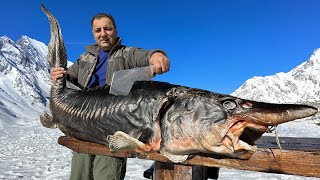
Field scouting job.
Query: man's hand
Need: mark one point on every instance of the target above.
(160, 63)
(56, 73)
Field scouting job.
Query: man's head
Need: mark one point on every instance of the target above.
(104, 31)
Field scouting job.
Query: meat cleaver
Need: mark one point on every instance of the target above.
(122, 81)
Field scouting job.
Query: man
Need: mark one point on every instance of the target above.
(95, 68)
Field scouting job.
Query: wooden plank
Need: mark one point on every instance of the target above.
(295, 162)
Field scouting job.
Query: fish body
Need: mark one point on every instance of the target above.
(159, 116)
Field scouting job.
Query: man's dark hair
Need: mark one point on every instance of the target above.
(102, 15)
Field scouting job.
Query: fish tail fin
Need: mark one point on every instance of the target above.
(57, 56)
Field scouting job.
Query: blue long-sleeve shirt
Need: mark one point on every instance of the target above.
(99, 75)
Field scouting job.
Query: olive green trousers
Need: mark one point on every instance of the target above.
(97, 167)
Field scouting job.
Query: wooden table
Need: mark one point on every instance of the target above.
(299, 156)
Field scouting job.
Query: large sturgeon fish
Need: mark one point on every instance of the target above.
(158, 116)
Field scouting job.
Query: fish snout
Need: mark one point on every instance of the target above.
(281, 113)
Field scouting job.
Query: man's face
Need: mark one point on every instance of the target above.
(104, 33)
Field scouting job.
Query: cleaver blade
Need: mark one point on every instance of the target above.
(122, 81)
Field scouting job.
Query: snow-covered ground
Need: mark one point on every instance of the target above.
(29, 151)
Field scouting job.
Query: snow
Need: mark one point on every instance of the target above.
(37, 45)
(9, 49)
(30, 151)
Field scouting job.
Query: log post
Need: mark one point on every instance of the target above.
(163, 170)
(171, 171)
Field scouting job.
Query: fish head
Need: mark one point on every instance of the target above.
(223, 124)
(248, 120)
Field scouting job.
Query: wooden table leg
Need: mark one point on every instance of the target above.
(170, 171)
(163, 171)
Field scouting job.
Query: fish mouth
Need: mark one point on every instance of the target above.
(251, 132)
(241, 137)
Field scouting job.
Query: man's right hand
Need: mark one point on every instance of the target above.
(56, 73)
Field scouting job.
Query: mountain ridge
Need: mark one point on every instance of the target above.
(301, 84)
(24, 77)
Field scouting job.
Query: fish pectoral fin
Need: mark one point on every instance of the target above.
(174, 157)
(122, 141)
(48, 121)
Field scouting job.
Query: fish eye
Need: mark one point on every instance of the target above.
(229, 105)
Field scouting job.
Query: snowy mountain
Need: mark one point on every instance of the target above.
(24, 79)
(301, 84)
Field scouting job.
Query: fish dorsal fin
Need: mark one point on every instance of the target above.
(72, 86)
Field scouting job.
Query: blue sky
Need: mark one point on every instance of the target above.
(212, 44)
